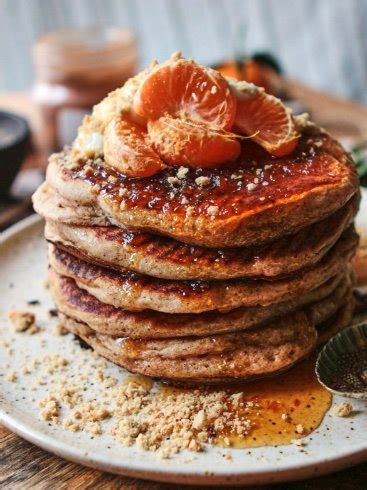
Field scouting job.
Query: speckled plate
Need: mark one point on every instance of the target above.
(337, 443)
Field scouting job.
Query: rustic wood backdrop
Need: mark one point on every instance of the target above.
(321, 42)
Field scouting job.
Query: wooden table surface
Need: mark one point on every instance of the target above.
(25, 466)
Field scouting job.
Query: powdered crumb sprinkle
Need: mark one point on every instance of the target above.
(342, 410)
(23, 321)
(181, 173)
(202, 181)
(251, 186)
(173, 180)
(213, 210)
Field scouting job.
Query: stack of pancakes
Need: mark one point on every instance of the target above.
(205, 275)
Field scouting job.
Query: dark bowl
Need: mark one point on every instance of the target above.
(14, 143)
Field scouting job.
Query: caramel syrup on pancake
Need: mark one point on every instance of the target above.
(277, 407)
(309, 166)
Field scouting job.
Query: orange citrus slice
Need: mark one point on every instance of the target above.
(192, 143)
(265, 119)
(184, 89)
(128, 150)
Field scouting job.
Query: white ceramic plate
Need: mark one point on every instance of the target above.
(337, 443)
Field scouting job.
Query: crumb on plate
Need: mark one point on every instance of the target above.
(342, 410)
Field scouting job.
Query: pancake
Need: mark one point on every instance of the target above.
(47, 202)
(338, 321)
(135, 292)
(319, 311)
(106, 319)
(236, 356)
(253, 200)
(223, 273)
(264, 351)
(165, 258)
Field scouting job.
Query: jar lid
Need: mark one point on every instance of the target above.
(78, 52)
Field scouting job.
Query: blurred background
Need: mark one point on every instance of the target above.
(59, 57)
(321, 42)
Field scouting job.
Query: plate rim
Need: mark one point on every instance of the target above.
(295, 471)
(172, 475)
(20, 226)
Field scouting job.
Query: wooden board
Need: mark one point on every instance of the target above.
(24, 466)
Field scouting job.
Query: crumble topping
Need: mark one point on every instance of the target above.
(342, 410)
(181, 173)
(302, 120)
(23, 321)
(189, 211)
(298, 442)
(170, 420)
(202, 181)
(213, 210)
(88, 170)
(251, 186)
(11, 376)
(112, 179)
(134, 411)
(50, 408)
(173, 180)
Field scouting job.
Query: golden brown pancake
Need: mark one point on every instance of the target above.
(290, 193)
(48, 203)
(200, 275)
(135, 292)
(239, 356)
(236, 356)
(106, 319)
(338, 321)
(162, 257)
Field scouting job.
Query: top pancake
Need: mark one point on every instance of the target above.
(250, 201)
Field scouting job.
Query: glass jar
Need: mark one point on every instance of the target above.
(76, 68)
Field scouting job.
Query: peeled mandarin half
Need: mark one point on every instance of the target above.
(265, 119)
(182, 88)
(191, 143)
(127, 149)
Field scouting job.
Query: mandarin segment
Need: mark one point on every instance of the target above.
(127, 149)
(182, 88)
(188, 142)
(265, 118)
